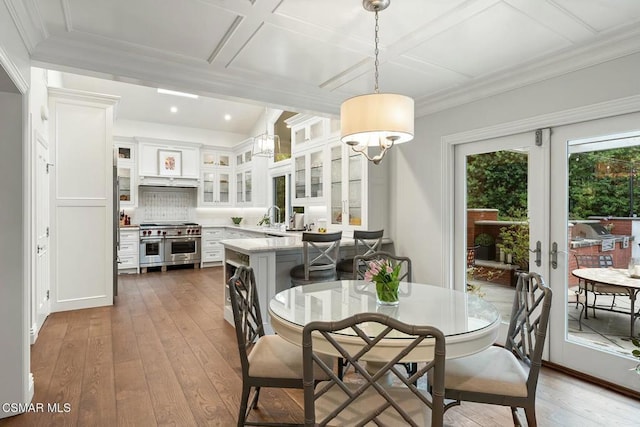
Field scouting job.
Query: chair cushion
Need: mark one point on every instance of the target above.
(345, 266)
(297, 273)
(494, 371)
(274, 357)
(368, 402)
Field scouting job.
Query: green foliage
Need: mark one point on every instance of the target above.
(514, 240)
(599, 183)
(484, 239)
(497, 181)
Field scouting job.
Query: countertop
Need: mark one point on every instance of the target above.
(268, 244)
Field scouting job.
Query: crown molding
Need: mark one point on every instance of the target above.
(28, 21)
(13, 72)
(615, 46)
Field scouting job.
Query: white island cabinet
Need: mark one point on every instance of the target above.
(271, 259)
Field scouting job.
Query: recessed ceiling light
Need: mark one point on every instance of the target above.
(176, 93)
(227, 117)
(174, 109)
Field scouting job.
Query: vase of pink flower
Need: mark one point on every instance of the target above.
(385, 276)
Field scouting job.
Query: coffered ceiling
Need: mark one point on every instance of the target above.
(309, 55)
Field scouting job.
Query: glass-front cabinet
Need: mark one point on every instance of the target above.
(216, 159)
(244, 190)
(309, 175)
(126, 170)
(346, 204)
(216, 190)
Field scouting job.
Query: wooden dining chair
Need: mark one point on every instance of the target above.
(320, 252)
(266, 360)
(362, 398)
(366, 242)
(496, 375)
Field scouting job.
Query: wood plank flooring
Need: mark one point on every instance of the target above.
(163, 355)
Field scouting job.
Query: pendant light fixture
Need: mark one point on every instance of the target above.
(265, 144)
(377, 119)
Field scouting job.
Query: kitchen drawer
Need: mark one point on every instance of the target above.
(128, 261)
(212, 233)
(128, 247)
(211, 244)
(129, 236)
(212, 255)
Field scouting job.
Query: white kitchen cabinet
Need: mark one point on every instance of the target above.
(212, 250)
(352, 182)
(308, 176)
(307, 130)
(244, 188)
(128, 252)
(216, 159)
(347, 186)
(250, 176)
(215, 188)
(126, 170)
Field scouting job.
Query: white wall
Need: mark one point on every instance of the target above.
(417, 172)
(14, 356)
(130, 128)
(16, 384)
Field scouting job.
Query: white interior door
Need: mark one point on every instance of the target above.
(537, 210)
(41, 208)
(608, 357)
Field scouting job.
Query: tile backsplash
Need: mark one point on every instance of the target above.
(167, 204)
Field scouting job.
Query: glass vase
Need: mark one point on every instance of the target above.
(387, 293)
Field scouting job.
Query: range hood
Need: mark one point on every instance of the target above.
(174, 181)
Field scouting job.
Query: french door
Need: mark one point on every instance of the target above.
(593, 351)
(528, 153)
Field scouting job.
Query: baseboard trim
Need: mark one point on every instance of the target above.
(591, 379)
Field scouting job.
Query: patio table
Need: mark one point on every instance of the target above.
(618, 277)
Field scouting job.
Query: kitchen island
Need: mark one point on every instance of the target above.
(271, 259)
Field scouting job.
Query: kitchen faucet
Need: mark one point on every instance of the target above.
(276, 219)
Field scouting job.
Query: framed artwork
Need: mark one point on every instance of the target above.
(169, 163)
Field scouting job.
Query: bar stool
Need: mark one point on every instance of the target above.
(370, 241)
(321, 268)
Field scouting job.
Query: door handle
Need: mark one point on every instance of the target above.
(554, 255)
(538, 252)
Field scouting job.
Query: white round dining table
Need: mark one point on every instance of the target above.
(470, 324)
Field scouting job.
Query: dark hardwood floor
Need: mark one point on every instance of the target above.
(163, 355)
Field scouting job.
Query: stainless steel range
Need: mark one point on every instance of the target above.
(169, 244)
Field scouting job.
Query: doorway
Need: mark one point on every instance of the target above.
(501, 213)
(593, 170)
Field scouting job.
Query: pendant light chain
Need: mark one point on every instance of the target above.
(376, 63)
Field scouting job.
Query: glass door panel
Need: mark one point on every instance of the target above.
(247, 187)
(223, 185)
(315, 173)
(124, 180)
(500, 209)
(239, 188)
(300, 184)
(207, 188)
(337, 199)
(355, 188)
(594, 167)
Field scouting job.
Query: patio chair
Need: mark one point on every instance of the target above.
(596, 261)
(362, 399)
(366, 242)
(266, 360)
(496, 375)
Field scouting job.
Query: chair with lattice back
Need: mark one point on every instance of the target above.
(366, 242)
(496, 375)
(365, 398)
(586, 286)
(266, 360)
(320, 252)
